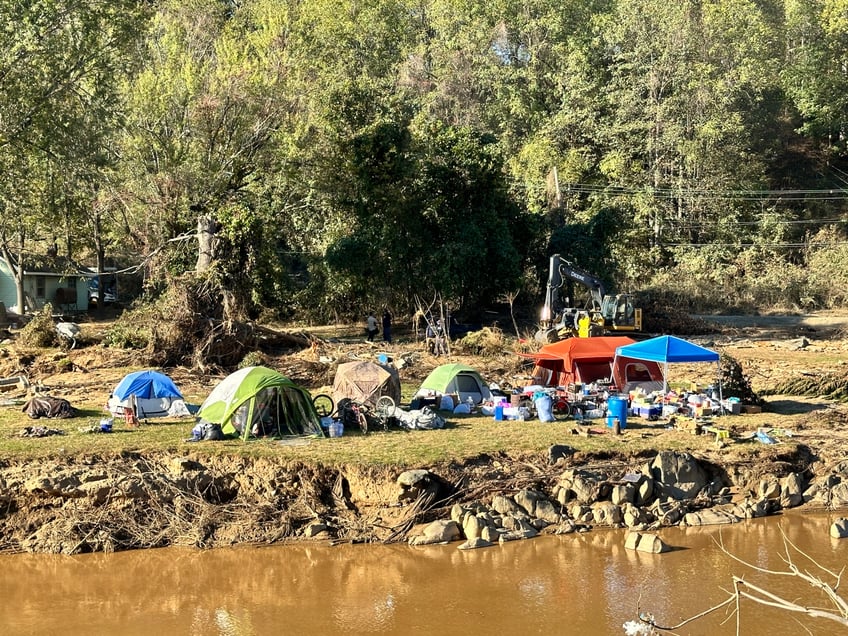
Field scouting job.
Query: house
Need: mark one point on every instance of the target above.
(57, 280)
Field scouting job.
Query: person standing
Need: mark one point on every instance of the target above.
(387, 325)
(371, 326)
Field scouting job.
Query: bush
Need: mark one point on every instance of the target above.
(41, 330)
(487, 341)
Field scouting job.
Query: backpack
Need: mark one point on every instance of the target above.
(206, 431)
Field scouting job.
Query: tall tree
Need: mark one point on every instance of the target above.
(57, 72)
(204, 114)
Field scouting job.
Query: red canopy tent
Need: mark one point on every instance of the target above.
(585, 360)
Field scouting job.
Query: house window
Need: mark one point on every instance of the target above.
(40, 286)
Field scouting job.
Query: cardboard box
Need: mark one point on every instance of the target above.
(750, 408)
(670, 409)
(703, 411)
(733, 408)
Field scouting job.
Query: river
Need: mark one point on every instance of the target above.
(585, 584)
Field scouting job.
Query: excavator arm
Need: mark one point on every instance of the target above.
(602, 314)
(555, 303)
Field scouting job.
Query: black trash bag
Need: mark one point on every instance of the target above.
(206, 431)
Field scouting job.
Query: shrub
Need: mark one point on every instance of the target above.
(41, 330)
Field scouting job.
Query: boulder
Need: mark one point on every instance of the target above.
(839, 495)
(581, 486)
(622, 493)
(521, 530)
(421, 483)
(472, 527)
(504, 505)
(314, 529)
(547, 512)
(527, 499)
(644, 494)
(668, 513)
(441, 531)
(645, 542)
(606, 513)
(678, 475)
(633, 516)
(839, 528)
(473, 544)
(769, 488)
(709, 517)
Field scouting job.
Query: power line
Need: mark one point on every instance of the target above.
(830, 194)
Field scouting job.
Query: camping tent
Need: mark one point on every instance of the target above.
(365, 381)
(455, 379)
(585, 360)
(152, 393)
(667, 350)
(259, 401)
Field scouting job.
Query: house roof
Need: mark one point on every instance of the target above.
(52, 266)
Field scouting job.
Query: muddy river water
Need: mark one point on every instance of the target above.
(585, 584)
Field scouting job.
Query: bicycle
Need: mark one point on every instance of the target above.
(353, 413)
(385, 410)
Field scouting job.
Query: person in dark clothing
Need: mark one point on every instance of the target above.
(387, 326)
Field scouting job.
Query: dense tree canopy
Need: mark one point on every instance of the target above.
(316, 159)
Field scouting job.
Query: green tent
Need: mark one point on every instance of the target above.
(261, 402)
(455, 379)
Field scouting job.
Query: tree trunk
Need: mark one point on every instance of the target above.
(205, 242)
(18, 274)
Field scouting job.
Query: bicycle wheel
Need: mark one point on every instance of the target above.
(323, 404)
(385, 409)
(362, 418)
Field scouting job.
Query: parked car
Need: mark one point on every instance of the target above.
(110, 291)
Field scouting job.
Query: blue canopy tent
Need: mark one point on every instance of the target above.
(149, 393)
(667, 350)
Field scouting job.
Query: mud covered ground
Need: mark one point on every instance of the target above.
(133, 500)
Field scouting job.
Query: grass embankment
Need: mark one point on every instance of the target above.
(465, 436)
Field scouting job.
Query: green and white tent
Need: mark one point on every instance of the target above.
(455, 379)
(257, 401)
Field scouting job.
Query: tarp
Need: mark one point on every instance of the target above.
(455, 379)
(259, 401)
(365, 382)
(585, 360)
(152, 393)
(667, 350)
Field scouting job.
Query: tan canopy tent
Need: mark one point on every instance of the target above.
(365, 382)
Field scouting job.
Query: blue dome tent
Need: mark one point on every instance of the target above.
(151, 393)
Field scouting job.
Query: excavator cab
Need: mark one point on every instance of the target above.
(620, 313)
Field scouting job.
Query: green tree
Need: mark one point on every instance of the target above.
(204, 114)
(59, 63)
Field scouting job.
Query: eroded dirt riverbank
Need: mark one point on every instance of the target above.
(132, 501)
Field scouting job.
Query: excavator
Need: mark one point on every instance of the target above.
(603, 314)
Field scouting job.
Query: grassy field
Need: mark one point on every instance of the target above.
(463, 437)
(85, 378)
